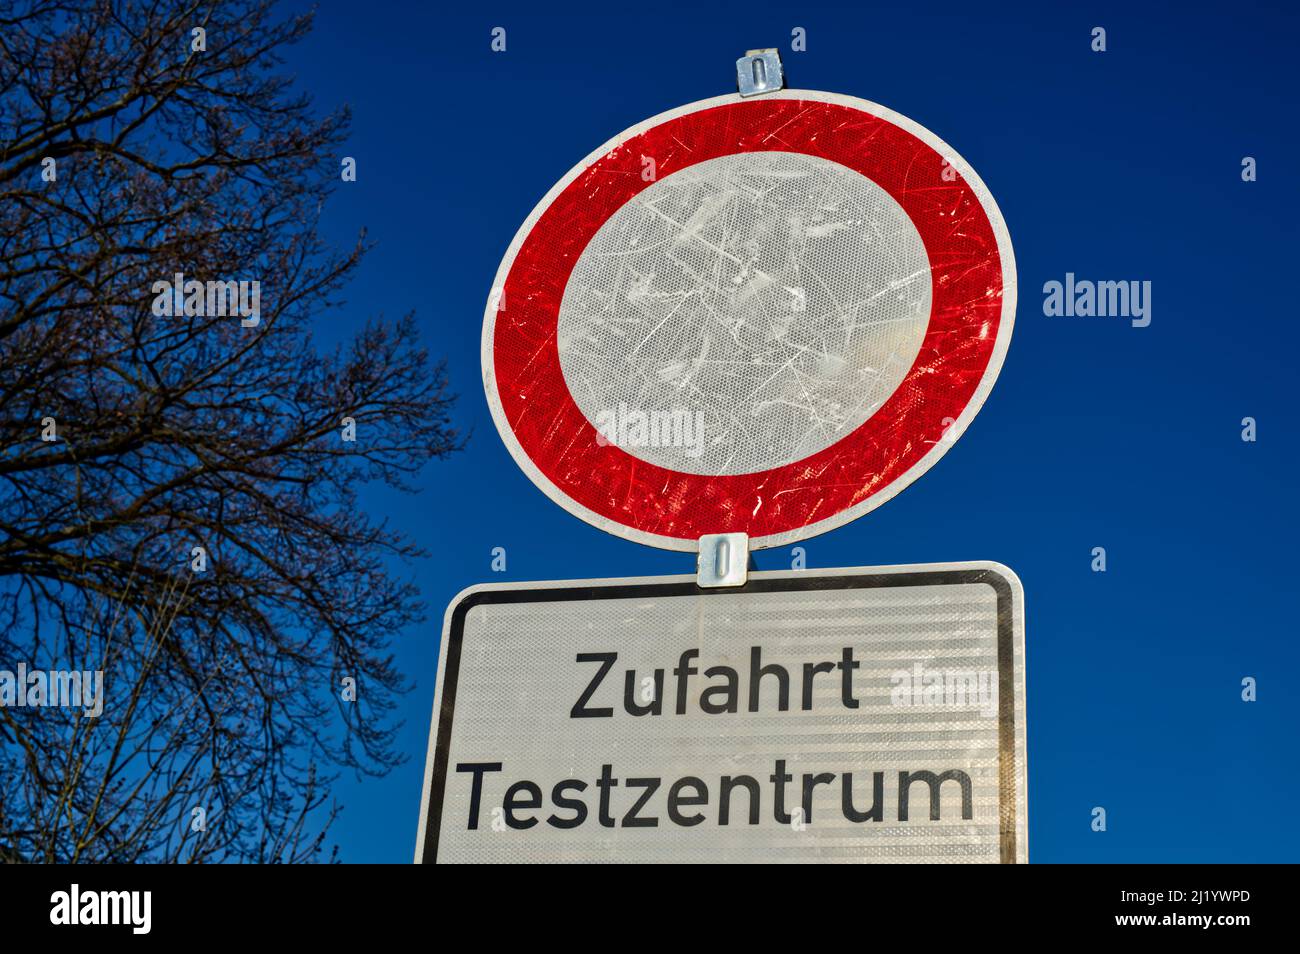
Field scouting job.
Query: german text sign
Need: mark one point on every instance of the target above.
(855, 715)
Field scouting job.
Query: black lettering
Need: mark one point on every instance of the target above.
(756, 673)
(476, 792)
(779, 778)
(632, 819)
(724, 796)
(730, 692)
(846, 666)
(654, 707)
(605, 783)
(579, 710)
(510, 803)
(905, 780)
(810, 671)
(877, 811)
(676, 798)
(683, 674)
(576, 805)
(809, 783)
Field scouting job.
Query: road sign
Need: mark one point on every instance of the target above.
(764, 315)
(869, 714)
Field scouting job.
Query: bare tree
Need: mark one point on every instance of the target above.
(139, 140)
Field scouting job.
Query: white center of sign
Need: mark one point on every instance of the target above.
(744, 313)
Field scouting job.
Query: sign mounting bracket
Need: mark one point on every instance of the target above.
(759, 71)
(723, 560)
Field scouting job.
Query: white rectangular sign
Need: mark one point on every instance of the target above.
(874, 714)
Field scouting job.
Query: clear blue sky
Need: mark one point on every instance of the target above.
(1114, 166)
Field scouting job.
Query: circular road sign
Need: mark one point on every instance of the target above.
(764, 315)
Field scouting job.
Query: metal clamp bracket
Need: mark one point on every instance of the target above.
(759, 71)
(723, 560)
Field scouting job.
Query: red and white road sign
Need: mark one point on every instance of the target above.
(764, 315)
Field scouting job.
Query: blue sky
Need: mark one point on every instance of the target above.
(1123, 165)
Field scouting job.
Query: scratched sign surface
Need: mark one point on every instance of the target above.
(763, 316)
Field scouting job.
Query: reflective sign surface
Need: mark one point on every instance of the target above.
(857, 715)
(763, 316)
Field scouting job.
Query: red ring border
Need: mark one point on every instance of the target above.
(959, 343)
